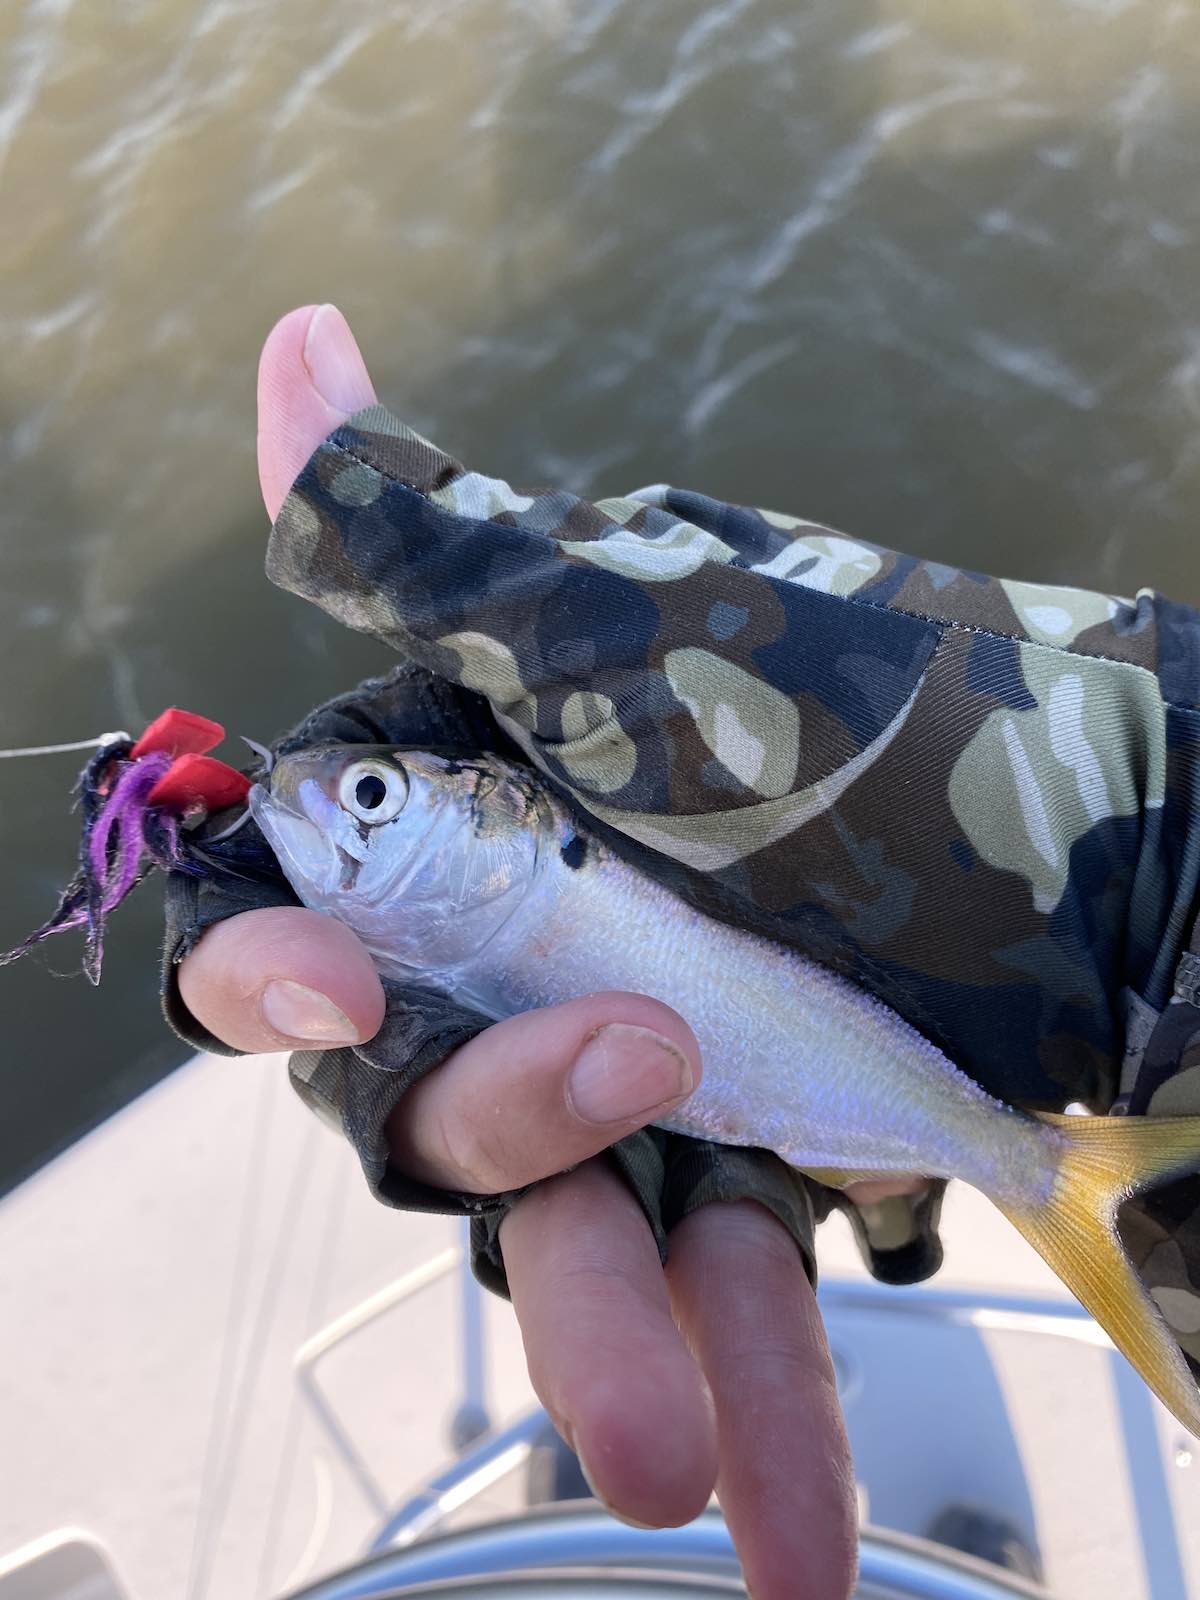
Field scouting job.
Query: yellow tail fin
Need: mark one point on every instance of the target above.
(1104, 1161)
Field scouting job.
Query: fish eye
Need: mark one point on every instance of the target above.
(373, 791)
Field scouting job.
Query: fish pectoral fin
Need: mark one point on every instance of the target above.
(1105, 1160)
(838, 1177)
(843, 1177)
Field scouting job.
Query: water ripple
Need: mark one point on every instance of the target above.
(32, 54)
(1039, 367)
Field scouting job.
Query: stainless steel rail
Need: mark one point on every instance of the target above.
(568, 1544)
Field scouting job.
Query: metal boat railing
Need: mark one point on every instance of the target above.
(556, 1550)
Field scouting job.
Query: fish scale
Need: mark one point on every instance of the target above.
(796, 1059)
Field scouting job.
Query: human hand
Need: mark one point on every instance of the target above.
(717, 1371)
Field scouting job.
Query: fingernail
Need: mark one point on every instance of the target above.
(305, 1016)
(624, 1072)
(630, 1522)
(334, 363)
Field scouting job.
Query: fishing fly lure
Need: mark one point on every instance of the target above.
(138, 799)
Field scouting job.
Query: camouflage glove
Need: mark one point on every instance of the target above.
(975, 797)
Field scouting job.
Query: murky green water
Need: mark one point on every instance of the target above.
(925, 271)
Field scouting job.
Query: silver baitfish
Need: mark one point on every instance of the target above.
(467, 874)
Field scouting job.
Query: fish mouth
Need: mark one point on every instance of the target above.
(307, 854)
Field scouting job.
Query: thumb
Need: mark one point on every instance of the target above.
(311, 377)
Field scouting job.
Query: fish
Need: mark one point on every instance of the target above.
(466, 873)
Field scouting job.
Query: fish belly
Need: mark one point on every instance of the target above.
(796, 1060)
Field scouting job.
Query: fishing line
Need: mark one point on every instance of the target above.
(223, 1416)
(267, 756)
(62, 749)
(289, 1451)
(206, 1546)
